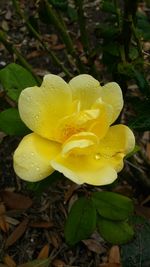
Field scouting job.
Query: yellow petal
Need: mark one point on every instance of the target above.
(81, 144)
(32, 157)
(86, 89)
(102, 165)
(101, 124)
(75, 123)
(41, 107)
(111, 94)
(118, 142)
(84, 169)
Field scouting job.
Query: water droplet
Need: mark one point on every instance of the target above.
(36, 117)
(29, 98)
(97, 156)
(32, 154)
(37, 169)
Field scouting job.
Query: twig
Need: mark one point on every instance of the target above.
(13, 50)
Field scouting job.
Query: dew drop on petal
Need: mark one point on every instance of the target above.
(37, 169)
(97, 156)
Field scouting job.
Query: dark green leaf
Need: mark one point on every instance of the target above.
(136, 253)
(141, 81)
(115, 232)
(112, 206)
(10, 122)
(14, 78)
(81, 221)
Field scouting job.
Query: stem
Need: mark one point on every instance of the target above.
(130, 8)
(13, 50)
(54, 58)
(61, 27)
(82, 25)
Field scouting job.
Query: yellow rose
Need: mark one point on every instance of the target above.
(72, 132)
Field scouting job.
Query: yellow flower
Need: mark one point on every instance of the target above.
(72, 132)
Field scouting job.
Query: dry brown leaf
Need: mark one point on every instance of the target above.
(143, 211)
(17, 233)
(3, 265)
(114, 255)
(94, 245)
(110, 265)
(58, 47)
(58, 263)
(9, 261)
(41, 224)
(15, 200)
(44, 252)
(4, 226)
(70, 192)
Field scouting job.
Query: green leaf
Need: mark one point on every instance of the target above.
(37, 263)
(81, 221)
(112, 206)
(72, 13)
(10, 123)
(14, 78)
(136, 253)
(141, 123)
(115, 232)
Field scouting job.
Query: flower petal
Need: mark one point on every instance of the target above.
(86, 89)
(118, 142)
(84, 169)
(41, 107)
(111, 94)
(101, 124)
(32, 157)
(75, 123)
(81, 144)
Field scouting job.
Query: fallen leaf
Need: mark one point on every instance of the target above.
(58, 47)
(15, 200)
(70, 192)
(110, 265)
(9, 261)
(58, 263)
(4, 226)
(17, 233)
(114, 255)
(94, 245)
(143, 211)
(41, 224)
(36, 263)
(44, 252)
